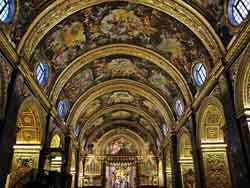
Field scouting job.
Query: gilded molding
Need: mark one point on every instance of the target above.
(89, 139)
(59, 10)
(216, 134)
(242, 86)
(89, 123)
(237, 45)
(124, 49)
(115, 85)
(8, 49)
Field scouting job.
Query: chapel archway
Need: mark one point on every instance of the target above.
(211, 140)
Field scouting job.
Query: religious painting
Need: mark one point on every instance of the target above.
(27, 11)
(121, 67)
(214, 12)
(120, 147)
(121, 22)
(123, 97)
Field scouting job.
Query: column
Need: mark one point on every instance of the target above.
(77, 168)
(66, 155)
(176, 172)
(137, 180)
(8, 128)
(43, 152)
(238, 163)
(197, 156)
(83, 170)
(164, 167)
(103, 174)
(243, 123)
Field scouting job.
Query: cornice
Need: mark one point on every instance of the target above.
(239, 43)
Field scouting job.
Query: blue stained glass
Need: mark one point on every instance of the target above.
(200, 74)
(239, 11)
(76, 130)
(6, 10)
(42, 73)
(179, 107)
(62, 109)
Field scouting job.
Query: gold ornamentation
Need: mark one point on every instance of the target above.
(57, 11)
(217, 171)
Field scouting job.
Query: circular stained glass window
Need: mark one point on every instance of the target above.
(199, 74)
(42, 73)
(6, 10)
(179, 107)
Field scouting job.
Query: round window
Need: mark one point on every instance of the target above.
(199, 74)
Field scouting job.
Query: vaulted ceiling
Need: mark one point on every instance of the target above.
(121, 64)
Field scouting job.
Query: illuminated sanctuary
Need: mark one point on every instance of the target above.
(124, 93)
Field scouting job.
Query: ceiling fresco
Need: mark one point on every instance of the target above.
(120, 115)
(214, 12)
(122, 67)
(121, 97)
(28, 10)
(120, 22)
(88, 143)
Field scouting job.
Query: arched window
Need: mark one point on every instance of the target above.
(62, 109)
(238, 10)
(42, 73)
(179, 107)
(6, 10)
(199, 74)
(76, 130)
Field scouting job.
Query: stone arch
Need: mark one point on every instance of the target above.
(184, 144)
(56, 141)
(242, 85)
(186, 159)
(211, 122)
(29, 122)
(29, 139)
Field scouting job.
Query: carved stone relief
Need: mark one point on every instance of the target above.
(216, 170)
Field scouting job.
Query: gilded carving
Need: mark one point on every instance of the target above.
(217, 171)
(211, 121)
(188, 178)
